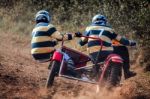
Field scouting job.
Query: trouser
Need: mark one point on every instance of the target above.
(123, 52)
(98, 58)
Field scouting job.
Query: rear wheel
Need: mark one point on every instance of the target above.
(52, 73)
(115, 74)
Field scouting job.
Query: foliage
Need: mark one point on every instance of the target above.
(131, 17)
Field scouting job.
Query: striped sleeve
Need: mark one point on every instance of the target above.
(58, 36)
(122, 40)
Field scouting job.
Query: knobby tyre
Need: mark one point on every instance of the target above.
(53, 73)
(115, 74)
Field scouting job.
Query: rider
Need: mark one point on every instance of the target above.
(123, 52)
(45, 37)
(100, 28)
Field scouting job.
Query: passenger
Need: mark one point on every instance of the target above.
(45, 37)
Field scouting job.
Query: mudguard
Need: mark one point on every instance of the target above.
(114, 58)
(111, 58)
(57, 56)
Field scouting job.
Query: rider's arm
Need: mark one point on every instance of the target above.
(121, 39)
(57, 35)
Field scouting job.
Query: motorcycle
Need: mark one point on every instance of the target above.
(108, 71)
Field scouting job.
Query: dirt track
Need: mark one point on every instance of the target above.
(23, 78)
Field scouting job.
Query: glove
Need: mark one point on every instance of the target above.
(132, 43)
(69, 36)
(78, 34)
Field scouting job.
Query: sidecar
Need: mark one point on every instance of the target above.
(83, 66)
(109, 70)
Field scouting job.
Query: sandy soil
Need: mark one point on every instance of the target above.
(23, 78)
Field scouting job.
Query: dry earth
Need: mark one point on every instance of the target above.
(23, 78)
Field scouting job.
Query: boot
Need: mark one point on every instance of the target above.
(129, 74)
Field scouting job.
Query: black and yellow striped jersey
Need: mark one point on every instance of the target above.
(106, 34)
(42, 43)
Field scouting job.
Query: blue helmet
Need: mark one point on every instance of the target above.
(42, 16)
(99, 19)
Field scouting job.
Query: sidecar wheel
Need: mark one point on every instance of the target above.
(53, 73)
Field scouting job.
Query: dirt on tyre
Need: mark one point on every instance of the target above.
(52, 73)
(115, 74)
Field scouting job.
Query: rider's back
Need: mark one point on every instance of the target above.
(106, 34)
(45, 36)
(41, 42)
